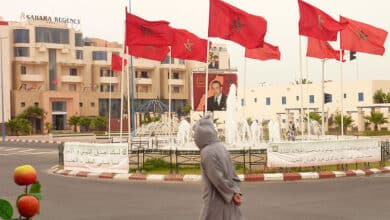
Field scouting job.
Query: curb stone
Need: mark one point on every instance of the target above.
(267, 177)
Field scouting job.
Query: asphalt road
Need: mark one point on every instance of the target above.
(67, 198)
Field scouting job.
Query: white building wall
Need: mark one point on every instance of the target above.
(5, 35)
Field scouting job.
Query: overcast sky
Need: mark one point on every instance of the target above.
(104, 19)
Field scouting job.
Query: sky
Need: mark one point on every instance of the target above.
(105, 19)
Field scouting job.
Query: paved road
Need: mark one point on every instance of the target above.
(80, 199)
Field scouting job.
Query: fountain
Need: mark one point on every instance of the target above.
(231, 122)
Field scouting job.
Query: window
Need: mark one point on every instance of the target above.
(51, 35)
(242, 102)
(311, 99)
(36, 104)
(92, 104)
(175, 75)
(80, 104)
(22, 51)
(79, 55)
(175, 89)
(73, 71)
(104, 107)
(22, 104)
(99, 55)
(297, 98)
(21, 36)
(361, 97)
(345, 95)
(144, 75)
(268, 101)
(72, 87)
(328, 98)
(166, 60)
(78, 40)
(284, 100)
(181, 61)
(255, 100)
(23, 70)
(106, 72)
(58, 106)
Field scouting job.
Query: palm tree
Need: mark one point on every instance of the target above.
(74, 121)
(347, 121)
(34, 114)
(380, 96)
(376, 118)
(303, 81)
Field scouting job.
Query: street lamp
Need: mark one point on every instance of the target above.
(2, 88)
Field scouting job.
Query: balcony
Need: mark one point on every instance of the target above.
(176, 82)
(32, 78)
(105, 79)
(144, 81)
(71, 79)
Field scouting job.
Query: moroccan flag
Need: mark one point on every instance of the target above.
(321, 49)
(315, 23)
(116, 63)
(188, 46)
(149, 52)
(362, 37)
(143, 32)
(267, 52)
(230, 23)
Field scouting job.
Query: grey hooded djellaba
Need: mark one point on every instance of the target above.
(218, 174)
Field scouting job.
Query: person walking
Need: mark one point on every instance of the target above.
(221, 193)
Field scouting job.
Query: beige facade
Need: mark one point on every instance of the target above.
(283, 102)
(5, 65)
(55, 67)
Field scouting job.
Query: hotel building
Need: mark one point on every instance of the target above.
(52, 65)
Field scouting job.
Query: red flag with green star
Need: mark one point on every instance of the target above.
(321, 49)
(230, 23)
(362, 37)
(142, 32)
(188, 46)
(315, 23)
(149, 52)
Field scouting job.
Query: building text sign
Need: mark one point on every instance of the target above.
(91, 157)
(51, 19)
(319, 153)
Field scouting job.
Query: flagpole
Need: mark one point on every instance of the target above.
(122, 82)
(307, 93)
(170, 96)
(341, 92)
(109, 105)
(128, 99)
(323, 98)
(244, 104)
(207, 78)
(132, 88)
(301, 86)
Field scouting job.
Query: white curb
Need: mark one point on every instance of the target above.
(192, 178)
(122, 177)
(154, 177)
(359, 172)
(273, 177)
(309, 175)
(339, 174)
(375, 170)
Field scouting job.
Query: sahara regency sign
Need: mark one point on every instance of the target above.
(51, 19)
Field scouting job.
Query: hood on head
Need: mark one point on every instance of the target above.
(204, 132)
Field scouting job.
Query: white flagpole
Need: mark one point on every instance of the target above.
(128, 99)
(307, 94)
(207, 78)
(122, 82)
(301, 86)
(170, 96)
(323, 98)
(245, 101)
(341, 92)
(109, 105)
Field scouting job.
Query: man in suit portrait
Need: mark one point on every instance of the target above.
(217, 102)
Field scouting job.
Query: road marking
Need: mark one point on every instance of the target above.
(6, 151)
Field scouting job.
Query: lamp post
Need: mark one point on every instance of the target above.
(2, 89)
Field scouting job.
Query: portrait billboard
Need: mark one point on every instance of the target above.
(218, 90)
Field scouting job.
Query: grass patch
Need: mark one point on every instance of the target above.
(160, 166)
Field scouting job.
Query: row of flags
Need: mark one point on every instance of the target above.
(154, 39)
(355, 36)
